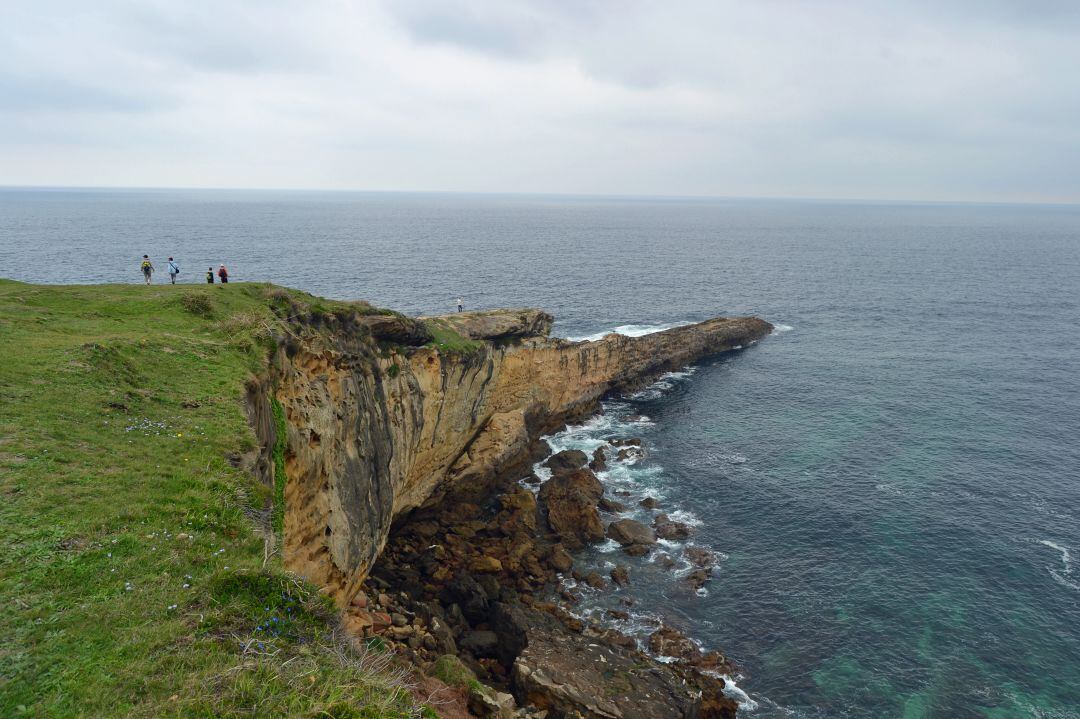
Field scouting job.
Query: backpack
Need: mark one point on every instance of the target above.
(146, 265)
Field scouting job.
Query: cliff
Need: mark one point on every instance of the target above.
(377, 427)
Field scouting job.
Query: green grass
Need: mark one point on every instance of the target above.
(132, 582)
(447, 339)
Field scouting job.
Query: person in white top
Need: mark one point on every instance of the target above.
(460, 306)
(174, 270)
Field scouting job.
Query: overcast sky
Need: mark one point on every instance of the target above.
(975, 100)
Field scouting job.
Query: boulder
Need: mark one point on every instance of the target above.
(570, 500)
(611, 506)
(630, 454)
(594, 580)
(628, 531)
(464, 591)
(700, 557)
(631, 442)
(559, 559)
(566, 461)
(599, 460)
(510, 623)
(620, 575)
(667, 528)
(480, 643)
(698, 578)
(486, 565)
(649, 503)
(637, 550)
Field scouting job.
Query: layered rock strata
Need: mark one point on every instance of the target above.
(376, 428)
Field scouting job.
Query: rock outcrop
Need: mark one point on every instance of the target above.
(377, 426)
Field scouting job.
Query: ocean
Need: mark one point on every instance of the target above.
(890, 482)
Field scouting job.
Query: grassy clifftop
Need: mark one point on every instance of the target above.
(134, 580)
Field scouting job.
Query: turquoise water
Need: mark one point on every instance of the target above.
(893, 483)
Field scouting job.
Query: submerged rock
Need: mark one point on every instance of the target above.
(667, 528)
(620, 575)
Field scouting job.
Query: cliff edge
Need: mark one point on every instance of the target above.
(377, 427)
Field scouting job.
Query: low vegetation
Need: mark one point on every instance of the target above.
(447, 339)
(133, 579)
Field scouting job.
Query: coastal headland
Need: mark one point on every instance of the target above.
(226, 496)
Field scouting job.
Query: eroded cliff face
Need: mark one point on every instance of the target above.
(375, 430)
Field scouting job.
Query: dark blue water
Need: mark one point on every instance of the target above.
(894, 483)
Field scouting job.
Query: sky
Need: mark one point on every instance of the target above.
(917, 100)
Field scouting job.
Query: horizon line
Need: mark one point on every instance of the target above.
(583, 195)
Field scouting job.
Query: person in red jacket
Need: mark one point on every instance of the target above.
(223, 275)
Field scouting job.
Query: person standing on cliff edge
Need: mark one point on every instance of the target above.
(460, 305)
(223, 275)
(174, 270)
(147, 268)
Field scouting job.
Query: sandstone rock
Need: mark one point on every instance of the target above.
(573, 676)
(365, 445)
(618, 615)
(637, 550)
(611, 506)
(630, 454)
(649, 503)
(595, 581)
(498, 324)
(620, 575)
(487, 702)
(567, 460)
(628, 531)
(669, 642)
(398, 620)
(570, 500)
(560, 559)
(635, 442)
(599, 460)
(485, 564)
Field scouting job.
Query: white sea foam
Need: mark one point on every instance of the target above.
(687, 518)
(628, 331)
(778, 328)
(1064, 576)
(732, 690)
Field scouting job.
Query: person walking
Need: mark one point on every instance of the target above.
(223, 275)
(147, 268)
(174, 270)
(460, 305)
(209, 275)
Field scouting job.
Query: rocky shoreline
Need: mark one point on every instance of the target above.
(410, 498)
(479, 583)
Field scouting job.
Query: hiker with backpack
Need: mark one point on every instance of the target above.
(147, 268)
(209, 275)
(174, 270)
(223, 275)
